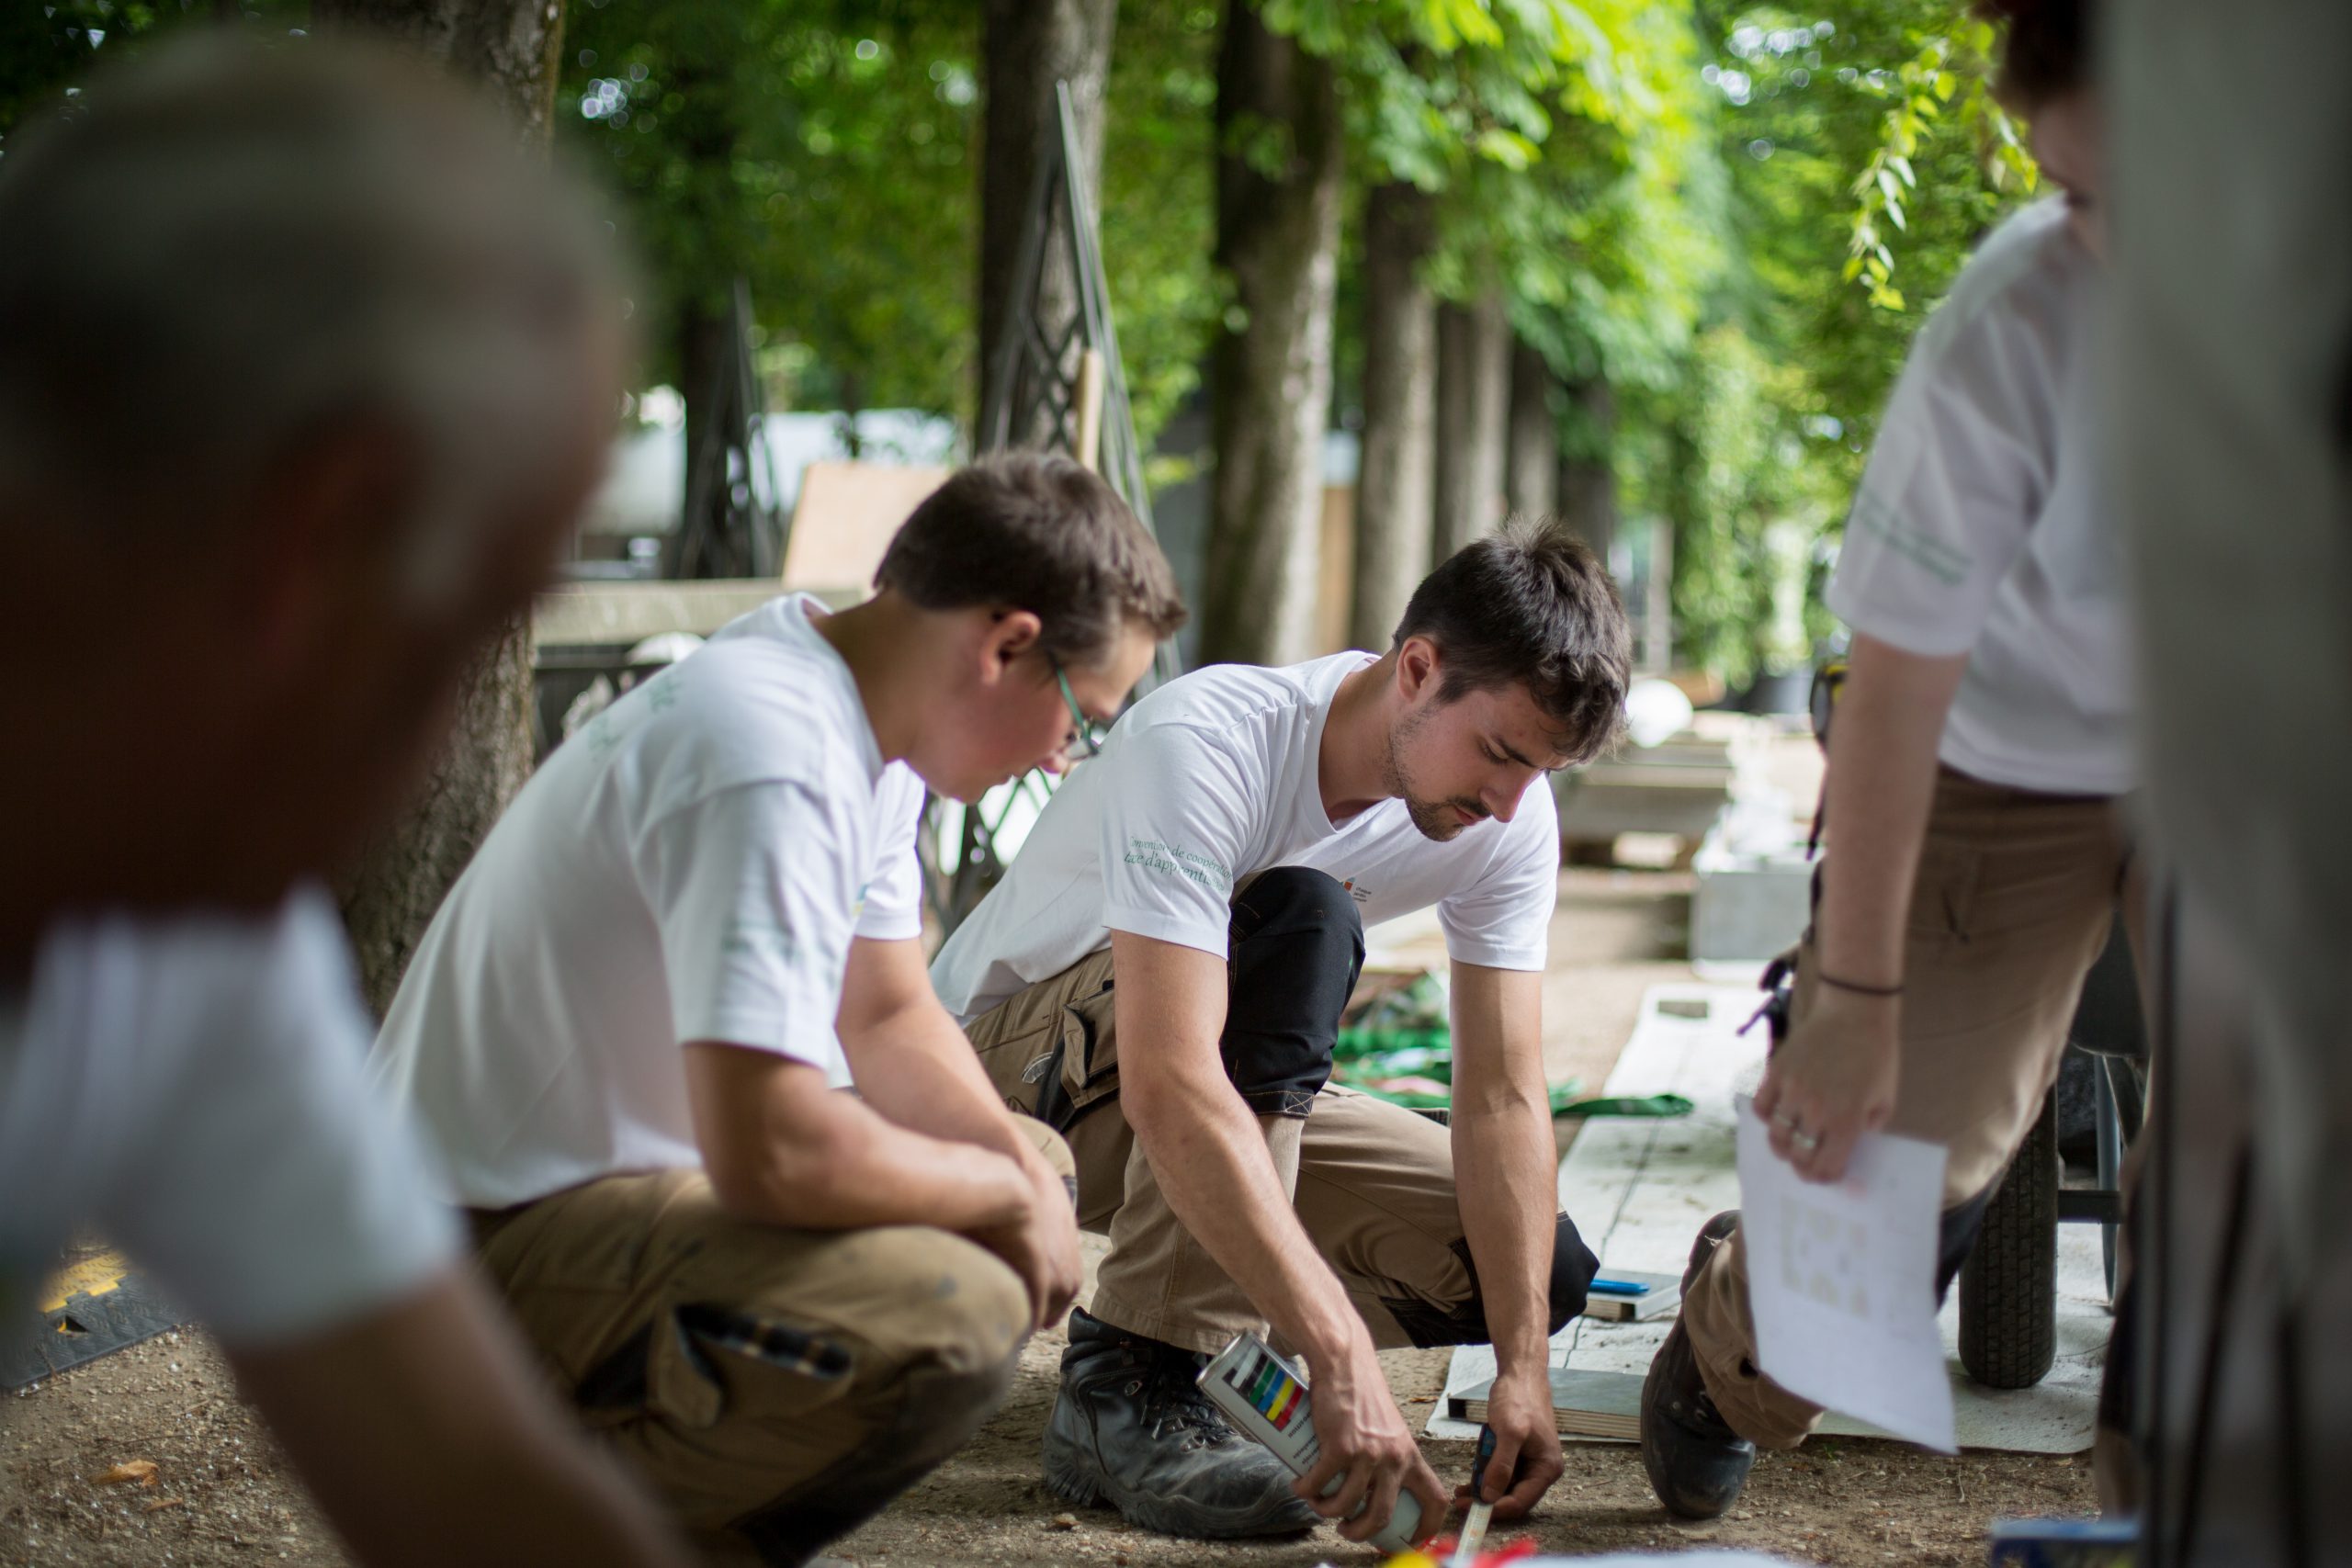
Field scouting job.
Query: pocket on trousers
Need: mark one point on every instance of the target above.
(696, 1350)
(1089, 1051)
(1943, 899)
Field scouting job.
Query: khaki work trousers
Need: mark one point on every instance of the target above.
(1372, 1183)
(2014, 901)
(775, 1387)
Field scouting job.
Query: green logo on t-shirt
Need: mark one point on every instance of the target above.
(753, 939)
(1153, 855)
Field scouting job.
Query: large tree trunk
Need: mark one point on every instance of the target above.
(1588, 482)
(512, 48)
(1532, 466)
(1026, 46)
(1473, 401)
(1396, 489)
(1277, 244)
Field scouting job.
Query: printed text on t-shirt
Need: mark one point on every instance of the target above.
(1153, 855)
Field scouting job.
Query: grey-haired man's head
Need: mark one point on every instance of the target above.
(306, 366)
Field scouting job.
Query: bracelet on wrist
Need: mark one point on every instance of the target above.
(1835, 984)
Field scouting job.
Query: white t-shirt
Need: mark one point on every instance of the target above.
(692, 865)
(193, 1088)
(1209, 780)
(1980, 527)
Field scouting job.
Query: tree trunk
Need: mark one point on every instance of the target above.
(1531, 468)
(704, 131)
(702, 331)
(1394, 493)
(1270, 376)
(512, 49)
(1473, 400)
(1026, 46)
(1588, 482)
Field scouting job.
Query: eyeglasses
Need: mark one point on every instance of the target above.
(1087, 737)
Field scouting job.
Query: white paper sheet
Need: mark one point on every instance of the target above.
(1841, 1280)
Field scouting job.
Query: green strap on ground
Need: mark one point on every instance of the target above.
(1407, 1059)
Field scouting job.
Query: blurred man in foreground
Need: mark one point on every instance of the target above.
(303, 373)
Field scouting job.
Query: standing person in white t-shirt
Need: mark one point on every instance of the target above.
(625, 1028)
(1980, 747)
(304, 374)
(1161, 974)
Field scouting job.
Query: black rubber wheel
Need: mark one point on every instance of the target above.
(2009, 1287)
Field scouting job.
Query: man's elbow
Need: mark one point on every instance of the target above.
(799, 1185)
(1504, 1099)
(1149, 1102)
(1163, 1109)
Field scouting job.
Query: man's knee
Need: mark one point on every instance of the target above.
(1573, 1267)
(1430, 1322)
(1297, 945)
(966, 1309)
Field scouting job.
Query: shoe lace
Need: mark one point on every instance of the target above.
(1174, 1407)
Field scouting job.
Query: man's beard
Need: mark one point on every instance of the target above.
(1435, 818)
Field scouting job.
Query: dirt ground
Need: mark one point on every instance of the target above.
(222, 1496)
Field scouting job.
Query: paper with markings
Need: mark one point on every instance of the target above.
(1841, 1280)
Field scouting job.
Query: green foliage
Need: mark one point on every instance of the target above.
(1929, 93)
(48, 47)
(1749, 498)
(826, 151)
(1856, 140)
(819, 150)
(1157, 217)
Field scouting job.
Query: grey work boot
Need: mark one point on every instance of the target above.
(1696, 1464)
(1132, 1428)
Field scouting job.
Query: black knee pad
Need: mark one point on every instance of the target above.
(1573, 1267)
(1297, 945)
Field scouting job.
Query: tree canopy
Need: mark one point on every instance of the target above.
(1730, 216)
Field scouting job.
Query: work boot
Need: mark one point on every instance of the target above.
(1131, 1427)
(1696, 1464)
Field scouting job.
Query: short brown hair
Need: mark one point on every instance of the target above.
(1038, 531)
(1531, 605)
(2045, 51)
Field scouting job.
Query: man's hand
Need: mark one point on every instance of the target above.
(1832, 1080)
(1364, 1439)
(1043, 1249)
(1527, 1446)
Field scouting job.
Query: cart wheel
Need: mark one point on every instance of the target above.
(2009, 1287)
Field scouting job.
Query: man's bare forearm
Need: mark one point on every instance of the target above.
(783, 1148)
(1881, 786)
(880, 1174)
(917, 1068)
(1504, 1159)
(1208, 1155)
(1208, 1151)
(1504, 1179)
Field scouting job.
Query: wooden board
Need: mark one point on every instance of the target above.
(846, 516)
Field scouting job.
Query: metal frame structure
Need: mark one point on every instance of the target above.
(732, 525)
(1032, 398)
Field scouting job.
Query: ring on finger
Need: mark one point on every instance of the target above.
(1783, 1120)
(1804, 1141)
